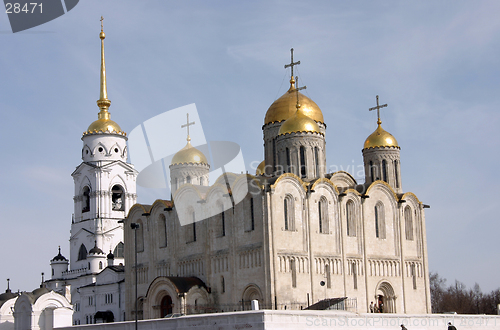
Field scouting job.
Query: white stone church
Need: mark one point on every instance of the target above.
(290, 236)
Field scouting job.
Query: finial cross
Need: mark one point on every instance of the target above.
(102, 19)
(378, 107)
(187, 125)
(292, 63)
(298, 89)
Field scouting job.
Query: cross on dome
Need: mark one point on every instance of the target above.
(187, 125)
(378, 107)
(297, 89)
(292, 63)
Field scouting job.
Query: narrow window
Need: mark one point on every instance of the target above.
(316, 160)
(328, 276)
(223, 222)
(86, 199)
(354, 275)
(414, 276)
(293, 267)
(194, 228)
(288, 163)
(82, 253)
(396, 176)
(302, 161)
(188, 179)
(384, 170)
(100, 264)
(140, 236)
(162, 230)
(323, 216)
(202, 181)
(379, 221)
(252, 219)
(222, 284)
(176, 184)
(372, 175)
(408, 224)
(117, 198)
(289, 213)
(351, 219)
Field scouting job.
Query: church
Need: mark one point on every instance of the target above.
(289, 236)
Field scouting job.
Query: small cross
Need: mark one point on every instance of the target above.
(8, 284)
(378, 107)
(187, 125)
(297, 90)
(292, 63)
(102, 19)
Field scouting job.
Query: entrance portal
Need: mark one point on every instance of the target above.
(386, 299)
(166, 306)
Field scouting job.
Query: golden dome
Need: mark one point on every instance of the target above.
(299, 122)
(261, 169)
(380, 138)
(284, 107)
(189, 155)
(104, 124)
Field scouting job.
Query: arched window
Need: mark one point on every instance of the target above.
(384, 170)
(354, 275)
(82, 253)
(328, 276)
(316, 160)
(222, 221)
(396, 176)
(372, 174)
(118, 252)
(86, 199)
(176, 184)
(117, 198)
(252, 215)
(188, 179)
(293, 267)
(162, 230)
(289, 212)
(140, 236)
(351, 218)
(302, 161)
(192, 229)
(323, 216)
(222, 284)
(100, 264)
(202, 181)
(379, 221)
(288, 163)
(408, 224)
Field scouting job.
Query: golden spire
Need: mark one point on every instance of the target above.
(103, 103)
(103, 123)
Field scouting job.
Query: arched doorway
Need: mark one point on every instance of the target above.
(166, 306)
(385, 297)
(251, 292)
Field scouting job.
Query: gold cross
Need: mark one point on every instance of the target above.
(378, 107)
(297, 90)
(102, 19)
(292, 63)
(187, 125)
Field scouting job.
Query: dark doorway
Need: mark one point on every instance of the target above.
(166, 306)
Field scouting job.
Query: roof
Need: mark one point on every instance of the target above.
(183, 284)
(326, 303)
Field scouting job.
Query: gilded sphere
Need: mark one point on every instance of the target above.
(284, 108)
(104, 125)
(380, 138)
(299, 122)
(189, 155)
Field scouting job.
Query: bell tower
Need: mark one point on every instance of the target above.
(105, 186)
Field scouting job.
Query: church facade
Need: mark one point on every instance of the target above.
(289, 236)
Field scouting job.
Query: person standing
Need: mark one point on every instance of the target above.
(403, 327)
(451, 326)
(371, 307)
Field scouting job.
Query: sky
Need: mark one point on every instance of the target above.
(435, 64)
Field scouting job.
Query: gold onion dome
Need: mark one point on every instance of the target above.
(261, 169)
(380, 138)
(189, 155)
(284, 107)
(299, 122)
(104, 123)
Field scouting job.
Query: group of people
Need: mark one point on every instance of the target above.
(377, 308)
(450, 327)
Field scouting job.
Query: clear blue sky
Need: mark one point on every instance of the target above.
(435, 63)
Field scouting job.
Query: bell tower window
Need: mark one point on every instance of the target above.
(117, 198)
(82, 253)
(302, 161)
(86, 199)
